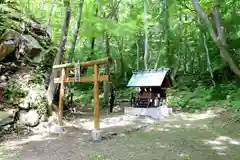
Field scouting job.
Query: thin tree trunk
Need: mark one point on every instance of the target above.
(60, 55)
(100, 6)
(73, 44)
(50, 19)
(137, 54)
(146, 34)
(122, 69)
(208, 59)
(29, 6)
(76, 31)
(84, 70)
(50, 13)
(106, 83)
(161, 9)
(179, 47)
(166, 31)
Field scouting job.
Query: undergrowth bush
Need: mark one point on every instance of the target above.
(222, 95)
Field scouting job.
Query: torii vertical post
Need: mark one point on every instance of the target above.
(95, 78)
(61, 96)
(96, 99)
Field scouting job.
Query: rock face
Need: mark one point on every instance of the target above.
(5, 118)
(30, 118)
(26, 37)
(8, 43)
(34, 97)
(23, 66)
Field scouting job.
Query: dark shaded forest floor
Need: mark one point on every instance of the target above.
(202, 136)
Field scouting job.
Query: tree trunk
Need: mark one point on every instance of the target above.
(122, 68)
(161, 9)
(146, 55)
(179, 55)
(106, 83)
(76, 30)
(60, 55)
(100, 6)
(208, 59)
(166, 31)
(84, 70)
(217, 33)
(50, 13)
(137, 54)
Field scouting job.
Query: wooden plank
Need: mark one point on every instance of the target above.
(85, 64)
(61, 97)
(96, 99)
(82, 79)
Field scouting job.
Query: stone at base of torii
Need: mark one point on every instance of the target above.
(96, 135)
(57, 129)
(155, 113)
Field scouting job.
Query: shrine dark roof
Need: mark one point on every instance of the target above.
(148, 78)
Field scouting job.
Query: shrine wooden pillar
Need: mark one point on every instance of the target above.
(96, 99)
(61, 96)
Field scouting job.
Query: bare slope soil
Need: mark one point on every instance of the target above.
(202, 136)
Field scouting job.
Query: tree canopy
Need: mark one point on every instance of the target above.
(198, 39)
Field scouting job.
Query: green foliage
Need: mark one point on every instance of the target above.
(236, 117)
(184, 54)
(96, 157)
(224, 95)
(14, 91)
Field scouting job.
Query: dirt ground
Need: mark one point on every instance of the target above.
(202, 136)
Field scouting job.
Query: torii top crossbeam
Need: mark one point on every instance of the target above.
(85, 64)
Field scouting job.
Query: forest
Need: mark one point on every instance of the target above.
(198, 40)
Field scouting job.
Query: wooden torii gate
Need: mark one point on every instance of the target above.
(95, 78)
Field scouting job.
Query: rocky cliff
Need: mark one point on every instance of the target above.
(26, 56)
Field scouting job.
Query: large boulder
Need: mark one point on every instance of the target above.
(5, 118)
(34, 99)
(29, 118)
(8, 43)
(32, 46)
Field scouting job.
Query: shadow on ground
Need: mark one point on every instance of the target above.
(180, 137)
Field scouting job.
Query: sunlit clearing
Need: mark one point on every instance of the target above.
(228, 140)
(221, 143)
(197, 116)
(163, 129)
(116, 121)
(219, 147)
(234, 142)
(212, 142)
(171, 126)
(177, 126)
(223, 138)
(17, 143)
(183, 155)
(148, 129)
(221, 153)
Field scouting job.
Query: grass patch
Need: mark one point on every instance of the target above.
(96, 156)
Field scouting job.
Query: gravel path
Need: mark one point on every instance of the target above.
(182, 137)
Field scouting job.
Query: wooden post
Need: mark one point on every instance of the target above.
(96, 99)
(61, 97)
